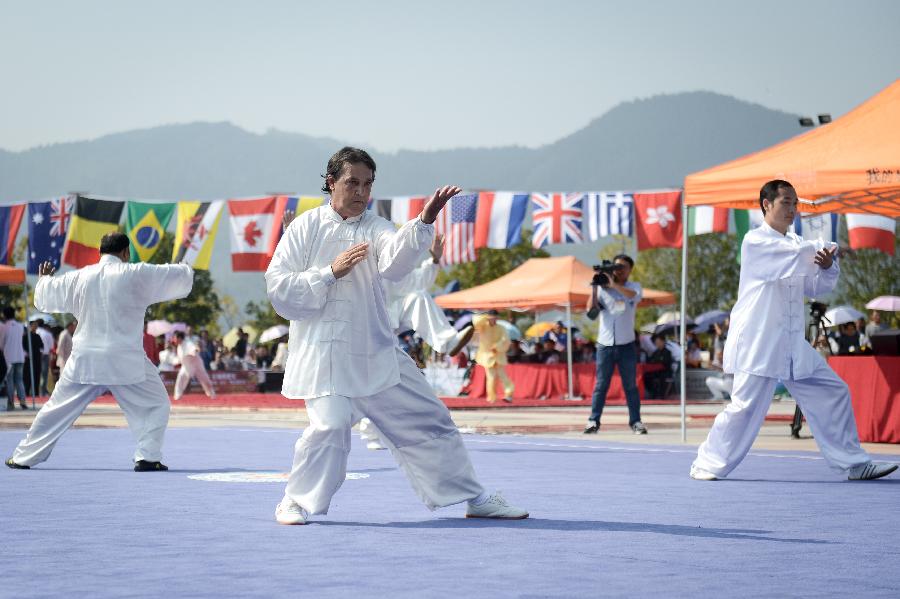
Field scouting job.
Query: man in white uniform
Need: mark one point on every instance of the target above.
(413, 308)
(64, 345)
(109, 299)
(191, 367)
(326, 277)
(766, 343)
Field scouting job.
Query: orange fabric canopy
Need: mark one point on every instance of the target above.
(539, 283)
(849, 165)
(9, 275)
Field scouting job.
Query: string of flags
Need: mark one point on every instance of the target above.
(68, 228)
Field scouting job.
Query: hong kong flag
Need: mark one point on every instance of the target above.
(658, 219)
(251, 227)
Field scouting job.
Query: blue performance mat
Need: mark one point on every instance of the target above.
(607, 521)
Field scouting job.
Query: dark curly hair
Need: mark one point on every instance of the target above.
(346, 155)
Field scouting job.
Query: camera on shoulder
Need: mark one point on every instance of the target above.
(603, 273)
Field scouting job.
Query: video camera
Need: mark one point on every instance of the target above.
(817, 310)
(603, 273)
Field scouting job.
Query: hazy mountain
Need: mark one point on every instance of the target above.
(646, 143)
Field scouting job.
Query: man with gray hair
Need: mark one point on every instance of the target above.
(109, 299)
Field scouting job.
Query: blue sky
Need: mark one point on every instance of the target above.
(422, 75)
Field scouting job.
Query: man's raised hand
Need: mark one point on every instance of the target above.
(347, 259)
(825, 258)
(46, 269)
(436, 202)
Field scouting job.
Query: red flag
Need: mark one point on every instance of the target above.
(871, 231)
(658, 218)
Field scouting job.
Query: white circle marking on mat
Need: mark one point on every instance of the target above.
(256, 477)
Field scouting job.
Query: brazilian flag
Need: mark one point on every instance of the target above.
(146, 224)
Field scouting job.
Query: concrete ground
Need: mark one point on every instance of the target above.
(663, 422)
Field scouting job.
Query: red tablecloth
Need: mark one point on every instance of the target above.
(874, 383)
(551, 381)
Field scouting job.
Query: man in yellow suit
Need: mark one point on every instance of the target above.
(492, 345)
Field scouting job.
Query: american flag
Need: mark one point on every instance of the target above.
(456, 223)
(607, 213)
(557, 218)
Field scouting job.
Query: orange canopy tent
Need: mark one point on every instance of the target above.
(10, 275)
(539, 284)
(849, 165)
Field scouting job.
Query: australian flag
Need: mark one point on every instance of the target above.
(48, 225)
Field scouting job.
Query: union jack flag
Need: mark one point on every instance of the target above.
(456, 223)
(557, 218)
(60, 212)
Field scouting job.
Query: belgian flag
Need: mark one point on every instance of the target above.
(91, 220)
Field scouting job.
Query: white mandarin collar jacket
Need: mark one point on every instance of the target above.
(768, 321)
(110, 300)
(341, 341)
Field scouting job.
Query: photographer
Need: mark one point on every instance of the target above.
(614, 300)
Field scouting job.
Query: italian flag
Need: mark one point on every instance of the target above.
(709, 219)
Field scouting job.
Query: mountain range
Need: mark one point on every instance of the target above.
(642, 144)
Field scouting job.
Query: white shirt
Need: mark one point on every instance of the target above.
(110, 299)
(340, 340)
(418, 281)
(616, 319)
(168, 360)
(47, 338)
(13, 350)
(767, 333)
(187, 347)
(63, 348)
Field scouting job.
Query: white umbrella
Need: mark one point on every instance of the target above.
(672, 316)
(273, 333)
(888, 303)
(842, 314)
(159, 327)
(511, 330)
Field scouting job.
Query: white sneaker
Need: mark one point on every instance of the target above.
(870, 471)
(497, 508)
(700, 474)
(290, 512)
(375, 445)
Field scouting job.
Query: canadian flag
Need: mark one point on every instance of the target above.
(871, 231)
(658, 218)
(252, 225)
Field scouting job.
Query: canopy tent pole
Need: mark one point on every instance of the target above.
(682, 373)
(569, 348)
(28, 336)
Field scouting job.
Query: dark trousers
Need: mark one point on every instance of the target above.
(625, 357)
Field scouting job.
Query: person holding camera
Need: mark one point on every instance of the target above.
(766, 343)
(614, 299)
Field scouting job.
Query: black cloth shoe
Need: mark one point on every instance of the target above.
(145, 466)
(24, 406)
(14, 466)
(592, 427)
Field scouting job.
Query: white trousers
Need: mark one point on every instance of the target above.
(414, 424)
(720, 385)
(421, 314)
(825, 401)
(146, 407)
(192, 366)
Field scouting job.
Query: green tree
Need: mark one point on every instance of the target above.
(866, 274)
(200, 309)
(262, 315)
(491, 264)
(713, 273)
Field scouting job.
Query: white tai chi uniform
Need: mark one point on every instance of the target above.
(109, 299)
(766, 343)
(345, 361)
(191, 367)
(412, 307)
